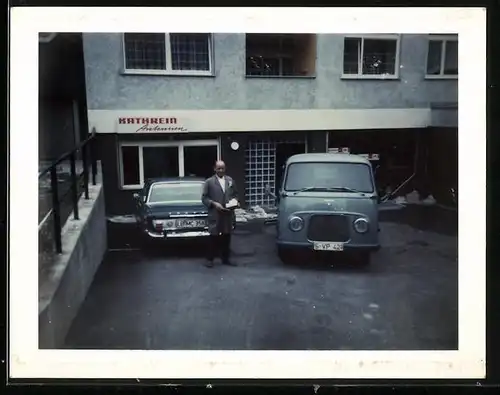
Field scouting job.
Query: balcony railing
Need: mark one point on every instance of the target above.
(59, 192)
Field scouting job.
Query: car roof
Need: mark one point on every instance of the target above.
(174, 179)
(327, 157)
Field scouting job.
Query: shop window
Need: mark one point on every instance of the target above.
(168, 53)
(442, 57)
(199, 160)
(160, 162)
(371, 57)
(280, 55)
(130, 165)
(141, 161)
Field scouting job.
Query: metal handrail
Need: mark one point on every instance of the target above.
(89, 142)
(65, 156)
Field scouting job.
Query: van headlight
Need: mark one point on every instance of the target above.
(296, 223)
(361, 225)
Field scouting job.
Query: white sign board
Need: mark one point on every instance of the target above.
(150, 125)
(343, 150)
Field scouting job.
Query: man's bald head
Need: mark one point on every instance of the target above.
(220, 168)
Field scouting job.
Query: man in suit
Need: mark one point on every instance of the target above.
(218, 190)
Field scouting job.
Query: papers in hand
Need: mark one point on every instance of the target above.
(233, 203)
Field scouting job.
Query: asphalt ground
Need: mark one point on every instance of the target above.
(164, 298)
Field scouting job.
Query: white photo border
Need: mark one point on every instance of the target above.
(27, 361)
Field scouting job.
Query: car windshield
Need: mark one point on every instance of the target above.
(343, 177)
(186, 192)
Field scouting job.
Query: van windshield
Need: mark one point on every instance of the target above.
(329, 175)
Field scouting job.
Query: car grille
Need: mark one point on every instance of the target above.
(328, 228)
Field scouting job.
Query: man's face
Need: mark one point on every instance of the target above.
(220, 169)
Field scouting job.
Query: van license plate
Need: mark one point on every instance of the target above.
(321, 246)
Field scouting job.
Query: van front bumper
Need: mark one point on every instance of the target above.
(347, 246)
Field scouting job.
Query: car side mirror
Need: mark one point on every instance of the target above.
(138, 197)
(268, 191)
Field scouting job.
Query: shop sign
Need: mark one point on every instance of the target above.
(150, 125)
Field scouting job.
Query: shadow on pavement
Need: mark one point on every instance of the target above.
(126, 236)
(337, 262)
(427, 218)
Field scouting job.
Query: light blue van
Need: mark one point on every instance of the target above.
(327, 202)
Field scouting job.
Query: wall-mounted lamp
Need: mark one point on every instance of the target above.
(235, 146)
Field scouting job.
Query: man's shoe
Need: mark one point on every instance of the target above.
(229, 263)
(209, 264)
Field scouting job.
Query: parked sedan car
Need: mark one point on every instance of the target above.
(171, 208)
(327, 202)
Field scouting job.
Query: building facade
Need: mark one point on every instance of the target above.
(170, 104)
(62, 95)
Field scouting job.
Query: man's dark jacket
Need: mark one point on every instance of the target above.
(219, 222)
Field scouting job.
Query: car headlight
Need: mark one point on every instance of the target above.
(361, 225)
(296, 223)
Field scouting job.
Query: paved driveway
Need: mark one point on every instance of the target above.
(407, 299)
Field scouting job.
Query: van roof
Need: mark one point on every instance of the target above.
(327, 157)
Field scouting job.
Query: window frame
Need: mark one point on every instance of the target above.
(141, 144)
(168, 61)
(280, 58)
(360, 75)
(444, 39)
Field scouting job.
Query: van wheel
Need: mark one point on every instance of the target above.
(284, 255)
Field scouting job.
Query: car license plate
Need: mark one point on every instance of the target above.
(190, 223)
(328, 246)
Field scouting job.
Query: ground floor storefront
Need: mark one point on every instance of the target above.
(413, 157)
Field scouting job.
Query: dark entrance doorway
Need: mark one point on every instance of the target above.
(199, 160)
(283, 151)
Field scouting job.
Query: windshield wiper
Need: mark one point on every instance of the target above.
(327, 189)
(344, 189)
(310, 189)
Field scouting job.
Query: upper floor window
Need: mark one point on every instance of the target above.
(442, 57)
(371, 57)
(280, 55)
(168, 53)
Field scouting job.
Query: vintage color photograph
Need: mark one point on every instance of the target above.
(211, 191)
(222, 193)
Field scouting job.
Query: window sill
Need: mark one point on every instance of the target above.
(300, 77)
(369, 77)
(441, 77)
(165, 73)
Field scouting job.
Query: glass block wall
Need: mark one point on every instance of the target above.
(260, 170)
